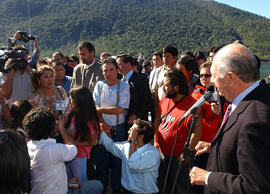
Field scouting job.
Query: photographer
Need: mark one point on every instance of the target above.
(18, 85)
(14, 50)
(22, 36)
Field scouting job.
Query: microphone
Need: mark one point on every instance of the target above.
(199, 103)
(210, 88)
(215, 96)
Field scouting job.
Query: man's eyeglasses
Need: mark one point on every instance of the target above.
(205, 75)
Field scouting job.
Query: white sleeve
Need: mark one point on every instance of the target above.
(62, 152)
(96, 93)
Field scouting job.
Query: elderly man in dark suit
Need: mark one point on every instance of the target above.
(239, 155)
(140, 95)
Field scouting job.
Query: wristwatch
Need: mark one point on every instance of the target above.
(133, 141)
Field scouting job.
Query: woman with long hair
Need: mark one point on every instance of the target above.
(83, 125)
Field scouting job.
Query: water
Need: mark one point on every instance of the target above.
(265, 69)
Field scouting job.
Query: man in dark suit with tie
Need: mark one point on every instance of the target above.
(140, 95)
(239, 155)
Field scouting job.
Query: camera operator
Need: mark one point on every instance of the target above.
(18, 85)
(35, 56)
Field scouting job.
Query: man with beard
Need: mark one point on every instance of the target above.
(89, 72)
(171, 109)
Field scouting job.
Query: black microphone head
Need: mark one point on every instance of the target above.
(207, 95)
(210, 88)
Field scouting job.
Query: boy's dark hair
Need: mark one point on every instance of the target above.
(14, 163)
(146, 129)
(39, 123)
(18, 110)
(146, 63)
(177, 78)
(189, 53)
(199, 55)
(75, 58)
(170, 49)
(189, 63)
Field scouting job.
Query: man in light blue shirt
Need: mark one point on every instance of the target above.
(140, 159)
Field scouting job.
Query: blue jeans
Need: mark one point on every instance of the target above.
(77, 168)
(103, 160)
(92, 186)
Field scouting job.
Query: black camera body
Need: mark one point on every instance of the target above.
(25, 37)
(15, 52)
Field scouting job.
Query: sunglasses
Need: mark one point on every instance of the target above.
(205, 75)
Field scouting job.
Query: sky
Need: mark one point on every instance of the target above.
(259, 7)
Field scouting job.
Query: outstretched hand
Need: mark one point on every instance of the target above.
(104, 127)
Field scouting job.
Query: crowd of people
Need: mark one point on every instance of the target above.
(68, 123)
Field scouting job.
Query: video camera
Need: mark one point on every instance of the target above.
(11, 51)
(15, 51)
(25, 37)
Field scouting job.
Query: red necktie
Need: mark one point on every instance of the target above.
(227, 114)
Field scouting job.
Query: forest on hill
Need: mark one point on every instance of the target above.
(133, 26)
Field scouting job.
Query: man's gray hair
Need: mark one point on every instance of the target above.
(242, 62)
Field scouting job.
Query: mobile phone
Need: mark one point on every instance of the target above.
(73, 184)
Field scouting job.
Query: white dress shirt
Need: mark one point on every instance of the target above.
(48, 172)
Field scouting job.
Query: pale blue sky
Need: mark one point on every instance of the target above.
(259, 7)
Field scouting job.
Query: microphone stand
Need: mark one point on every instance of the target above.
(186, 153)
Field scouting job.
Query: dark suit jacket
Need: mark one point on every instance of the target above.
(240, 153)
(140, 96)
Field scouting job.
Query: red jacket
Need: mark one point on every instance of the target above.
(211, 121)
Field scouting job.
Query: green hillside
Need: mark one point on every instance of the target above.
(134, 25)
